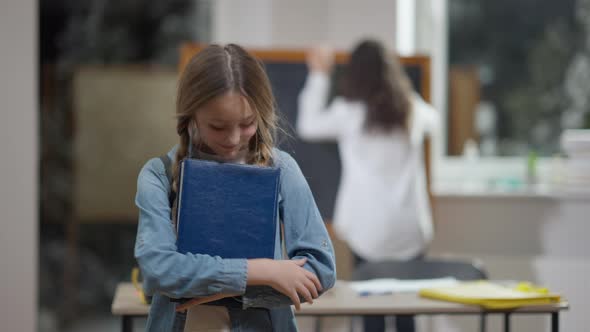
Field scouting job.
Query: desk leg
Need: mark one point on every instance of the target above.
(127, 325)
(318, 324)
(507, 322)
(555, 322)
(482, 321)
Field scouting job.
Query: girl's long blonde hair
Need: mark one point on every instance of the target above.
(212, 72)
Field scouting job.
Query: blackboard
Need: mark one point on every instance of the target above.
(319, 162)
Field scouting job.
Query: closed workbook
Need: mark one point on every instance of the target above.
(227, 210)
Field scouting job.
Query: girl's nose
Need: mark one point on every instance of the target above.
(234, 137)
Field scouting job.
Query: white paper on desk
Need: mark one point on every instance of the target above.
(390, 285)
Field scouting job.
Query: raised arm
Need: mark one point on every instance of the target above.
(426, 121)
(316, 121)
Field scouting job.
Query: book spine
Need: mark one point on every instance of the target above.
(179, 203)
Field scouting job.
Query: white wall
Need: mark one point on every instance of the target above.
(422, 27)
(245, 22)
(296, 24)
(18, 165)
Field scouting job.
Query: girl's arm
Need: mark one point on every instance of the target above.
(307, 245)
(305, 232)
(426, 121)
(163, 269)
(288, 277)
(314, 120)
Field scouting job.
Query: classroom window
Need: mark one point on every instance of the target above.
(518, 74)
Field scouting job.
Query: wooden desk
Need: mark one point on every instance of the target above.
(343, 301)
(127, 304)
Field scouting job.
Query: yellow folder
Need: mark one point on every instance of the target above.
(491, 295)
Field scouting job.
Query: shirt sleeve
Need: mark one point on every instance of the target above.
(426, 121)
(305, 232)
(305, 236)
(315, 121)
(164, 270)
(431, 118)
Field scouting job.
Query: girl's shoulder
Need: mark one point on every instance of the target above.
(153, 172)
(424, 119)
(420, 106)
(282, 159)
(287, 164)
(156, 167)
(153, 165)
(291, 176)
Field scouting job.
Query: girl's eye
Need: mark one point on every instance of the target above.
(216, 128)
(248, 125)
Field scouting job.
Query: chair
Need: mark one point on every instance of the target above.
(423, 269)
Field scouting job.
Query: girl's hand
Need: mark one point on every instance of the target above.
(320, 59)
(286, 276)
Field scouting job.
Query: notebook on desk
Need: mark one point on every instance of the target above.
(227, 210)
(491, 295)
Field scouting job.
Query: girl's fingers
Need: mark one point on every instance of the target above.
(311, 288)
(300, 262)
(302, 289)
(295, 299)
(311, 276)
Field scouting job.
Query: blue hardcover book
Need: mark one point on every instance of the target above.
(227, 210)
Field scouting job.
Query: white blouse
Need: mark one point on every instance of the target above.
(382, 208)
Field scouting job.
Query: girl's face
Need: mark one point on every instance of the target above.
(226, 124)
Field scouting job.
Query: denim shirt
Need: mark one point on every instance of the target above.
(168, 274)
